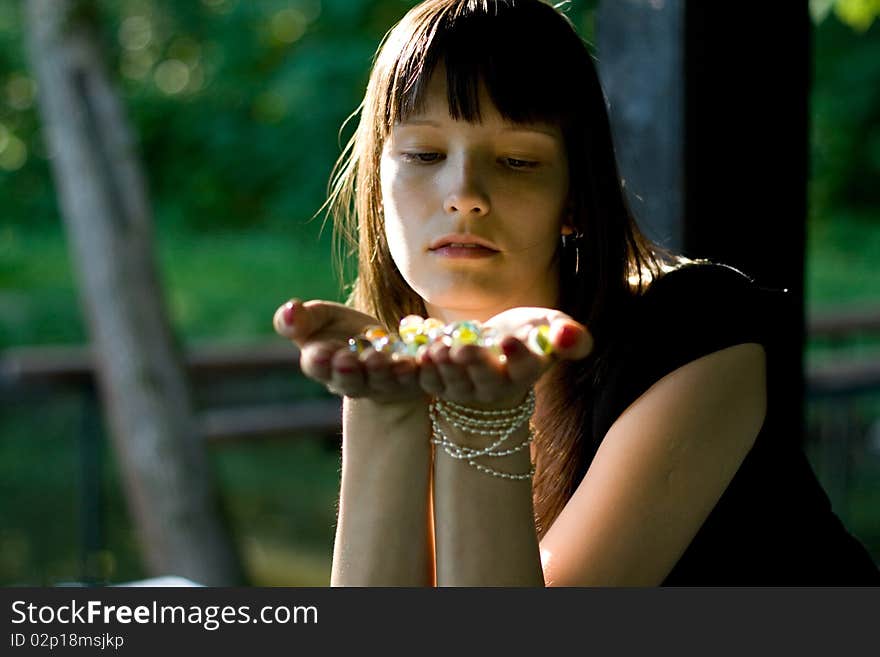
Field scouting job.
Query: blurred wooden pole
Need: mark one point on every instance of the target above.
(641, 63)
(103, 200)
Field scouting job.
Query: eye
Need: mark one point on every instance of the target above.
(516, 163)
(422, 158)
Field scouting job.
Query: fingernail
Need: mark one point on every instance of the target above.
(510, 347)
(288, 313)
(567, 337)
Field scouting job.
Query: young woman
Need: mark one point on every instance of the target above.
(603, 417)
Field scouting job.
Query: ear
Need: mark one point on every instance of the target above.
(567, 222)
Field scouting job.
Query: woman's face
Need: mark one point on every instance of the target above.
(501, 188)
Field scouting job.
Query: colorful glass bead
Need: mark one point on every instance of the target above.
(539, 340)
(409, 348)
(411, 320)
(373, 333)
(464, 332)
(491, 339)
(412, 330)
(359, 344)
(388, 343)
(433, 328)
(416, 338)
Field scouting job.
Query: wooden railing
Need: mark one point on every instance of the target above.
(74, 366)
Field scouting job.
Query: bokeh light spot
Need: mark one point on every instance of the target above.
(171, 76)
(20, 91)
(220, 6)
(14, 154)
(135, 33)
(287, 25)
(136, 65)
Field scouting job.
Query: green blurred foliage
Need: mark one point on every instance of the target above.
(845, 155)
(858, 14)
(237, 105)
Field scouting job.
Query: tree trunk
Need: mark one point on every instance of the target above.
(103, 200)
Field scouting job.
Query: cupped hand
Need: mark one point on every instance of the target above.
(476, 376)
(321, 330)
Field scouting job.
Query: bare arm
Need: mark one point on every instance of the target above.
(383, 533)
(485, 525)
(660, 470)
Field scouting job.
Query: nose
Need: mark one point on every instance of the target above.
(465, 195)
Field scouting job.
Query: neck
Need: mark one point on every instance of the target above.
(543, 296)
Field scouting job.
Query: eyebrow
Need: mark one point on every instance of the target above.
(510, 128)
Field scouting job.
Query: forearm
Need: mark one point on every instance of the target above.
(383, 534)
(484, 525)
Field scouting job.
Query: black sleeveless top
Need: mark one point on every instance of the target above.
(774, 524)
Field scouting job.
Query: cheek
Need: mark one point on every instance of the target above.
(537, 216)
(398, 242)
(403, 207)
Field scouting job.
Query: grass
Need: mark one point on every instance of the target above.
(842, 261)
(280, 496)
(217, 286)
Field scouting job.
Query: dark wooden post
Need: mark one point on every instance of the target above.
(746, 157)
(709, 105)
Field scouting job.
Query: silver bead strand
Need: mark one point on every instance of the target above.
(502, 423)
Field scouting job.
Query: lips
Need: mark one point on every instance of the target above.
(461, 241)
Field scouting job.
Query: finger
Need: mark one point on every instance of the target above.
(284, 321)
(347, 376)
(379, 376)
(456, 382)
(315, 359)
(570, 340)
(487, 375)
(428, 374)
(523, 365)
(406, 373)
(515, 319)
(336, 318)
(299, 321)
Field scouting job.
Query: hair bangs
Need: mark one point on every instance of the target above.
(519, 56)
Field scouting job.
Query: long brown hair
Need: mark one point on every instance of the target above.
(536, 68)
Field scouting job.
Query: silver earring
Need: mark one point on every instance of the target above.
(573, 241)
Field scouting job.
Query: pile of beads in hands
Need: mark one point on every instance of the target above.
(416, 333)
